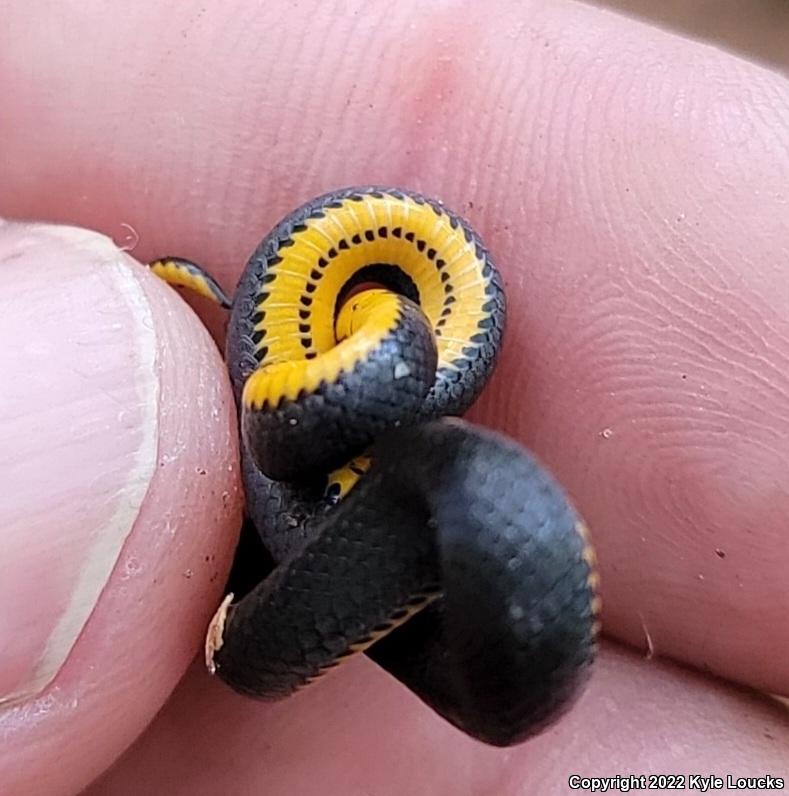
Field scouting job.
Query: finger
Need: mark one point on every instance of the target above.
(120, 501)
(631, 184)
(361, 733)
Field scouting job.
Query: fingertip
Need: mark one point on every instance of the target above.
(123, 499)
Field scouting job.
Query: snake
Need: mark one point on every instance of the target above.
(363, 327)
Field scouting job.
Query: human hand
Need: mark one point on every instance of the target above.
(631, 186)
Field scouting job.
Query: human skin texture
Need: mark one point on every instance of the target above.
(357, 734)
(120, 503)
(632, 187)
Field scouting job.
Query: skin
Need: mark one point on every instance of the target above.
(632, 186)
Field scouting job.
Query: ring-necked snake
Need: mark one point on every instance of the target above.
(361, 320)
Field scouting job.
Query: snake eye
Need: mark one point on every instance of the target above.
(332, 494)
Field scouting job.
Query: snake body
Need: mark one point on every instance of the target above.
(443, 550)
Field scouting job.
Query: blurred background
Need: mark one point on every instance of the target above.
(757, 29)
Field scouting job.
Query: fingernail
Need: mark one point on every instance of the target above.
(78, 436)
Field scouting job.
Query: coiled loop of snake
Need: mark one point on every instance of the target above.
(453, 528)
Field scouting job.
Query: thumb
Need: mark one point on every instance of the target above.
(120, 502)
